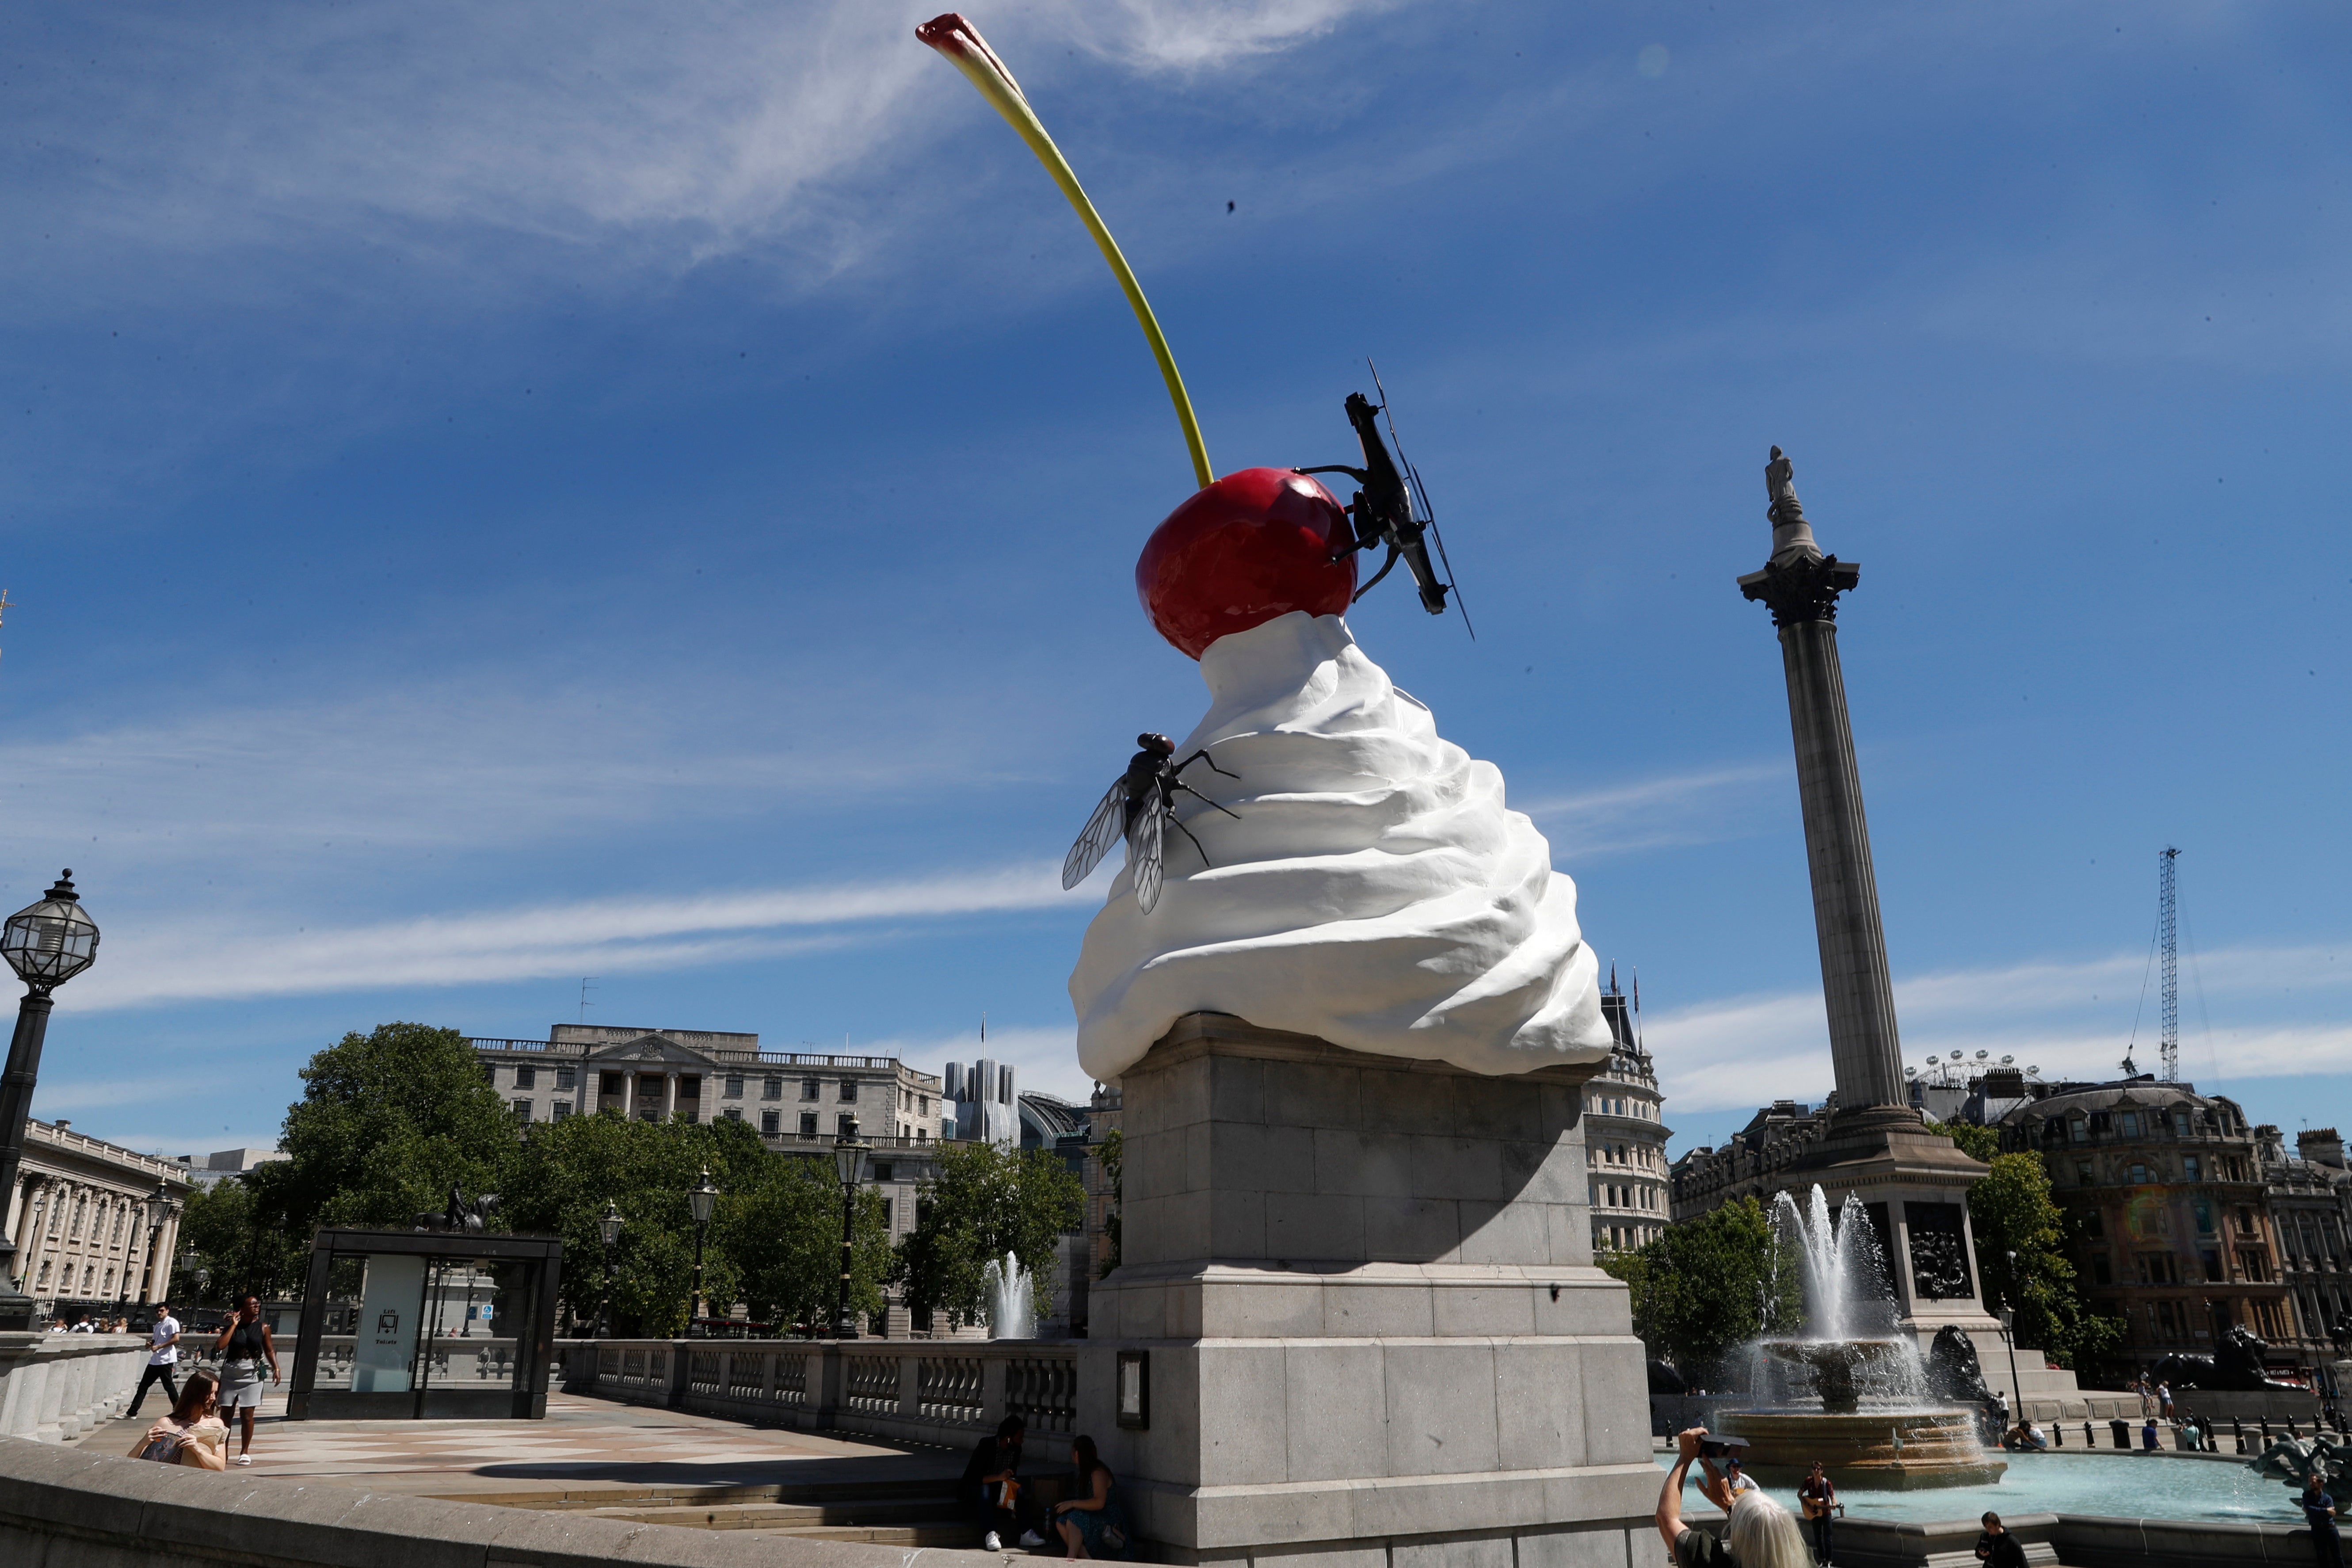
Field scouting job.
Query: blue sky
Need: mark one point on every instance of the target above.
(501, 495)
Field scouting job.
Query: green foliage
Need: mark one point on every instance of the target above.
(985, 1202)
(387, 1124)
(1112, 1152)
(774, 1241)
(2013, 1212)
(221, 1232)
(1707, 1284)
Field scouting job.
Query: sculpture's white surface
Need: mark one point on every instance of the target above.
(1374, 893)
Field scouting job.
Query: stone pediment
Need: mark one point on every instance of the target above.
(651, 1050)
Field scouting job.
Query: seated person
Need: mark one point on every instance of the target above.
(991, 1493)
(1092, 1524)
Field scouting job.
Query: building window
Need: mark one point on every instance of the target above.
(845, 1127)
(522, 1111)
(526, 1078)
(648, 1112)
(690, 1113)
(45, 1271)
(922, 1134)
(2246, 1222)
(2189, 1169)
(115, 1239)
(772, 1122)
(567, 1078)
(735, 1086)
(889, 1210)
(2139, 1174)
(732, 1113)
(2101, 1272)
(2180, 1122)
(490, 1074)
(2204, 1212)
(107, 1289)
(849, 1091)
(2084, 1174)
(609, 1083)
(2078, 1130)
(689, 1087)
(809, 1089)
(2130, 1124)
(808, 1123)
(563, 1110)
(773, 1088)
(923, 1105)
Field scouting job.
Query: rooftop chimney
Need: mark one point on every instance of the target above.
(2321, 1146)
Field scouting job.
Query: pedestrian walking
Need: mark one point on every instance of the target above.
(2319, 1512)
(245, 1348)
(163, 1357)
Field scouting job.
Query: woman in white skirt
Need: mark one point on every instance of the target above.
(245, 1349)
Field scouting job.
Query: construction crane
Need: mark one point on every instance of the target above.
(2169, 941)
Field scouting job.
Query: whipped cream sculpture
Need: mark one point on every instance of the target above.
(1371, 887)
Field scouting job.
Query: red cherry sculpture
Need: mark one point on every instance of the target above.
(1253, 545)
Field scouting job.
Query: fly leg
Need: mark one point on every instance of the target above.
(1386, 567)
(1188, 832)
(1201, 756)
(1196, 795)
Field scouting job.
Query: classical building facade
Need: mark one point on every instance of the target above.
(1625, 1135)
(2171, 1205)
(2309, 1194)
(697, 1076)
(78, 1216)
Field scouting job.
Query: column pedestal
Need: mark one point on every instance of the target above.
(1372, 1333)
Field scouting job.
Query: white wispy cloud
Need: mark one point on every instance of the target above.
(1705, 806)
(194, 959)
(1750, 1051)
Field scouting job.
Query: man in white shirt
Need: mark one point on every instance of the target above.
(163, 1356)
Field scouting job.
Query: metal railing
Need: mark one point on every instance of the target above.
(744, 1059)
(922, 1390)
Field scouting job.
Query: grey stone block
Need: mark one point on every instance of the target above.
(1313, 1094)
(1411, 1230)
(1260, 1310)
(1406, 1102)
(1589, 1302)
(1458, 1168)
(1398, 1309)
(1237, 1224)
(1457, 1552)
(1311, 1225)
(1236, 1091)
(1506, 1233)
(1348, 1556)
(1600, 1546)
(1251, 1156)
(1496, 1109)
(1616, 1390)
(1440, 1409)
(1243, 1433)
(1463, 1311)
(1335, 1408)
(1538, 1405)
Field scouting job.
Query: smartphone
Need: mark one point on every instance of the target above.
(1718, 1449)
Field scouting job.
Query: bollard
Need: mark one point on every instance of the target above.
(2266, 1431)
(2123, 1434)
(2090, 1440)
(2057, 1434)
(2237, 1429)
(2291, 1431)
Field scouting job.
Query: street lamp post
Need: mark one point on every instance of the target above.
(849, 1163)
(608, 1224)
(702, 1200)
(47, 943)
(2008, 1333)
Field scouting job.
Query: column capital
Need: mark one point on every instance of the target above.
(1805, 589)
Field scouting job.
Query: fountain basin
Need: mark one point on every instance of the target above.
(1836, 1362)
(1872, 1449)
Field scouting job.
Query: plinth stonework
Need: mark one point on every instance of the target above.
(1374, 1333)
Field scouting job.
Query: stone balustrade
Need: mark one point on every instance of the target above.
(930, 1391)
(53, 1387)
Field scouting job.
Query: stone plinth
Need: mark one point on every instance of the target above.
(1365, 1291)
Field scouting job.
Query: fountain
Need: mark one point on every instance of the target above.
(1011, 1313)
(1875, 1425)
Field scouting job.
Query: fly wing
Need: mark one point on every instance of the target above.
(1102, 831)
(1143, 853)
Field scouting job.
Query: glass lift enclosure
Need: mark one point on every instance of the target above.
(411, 1324)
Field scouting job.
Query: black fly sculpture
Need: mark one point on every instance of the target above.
(1392, 508)
(1140, 807)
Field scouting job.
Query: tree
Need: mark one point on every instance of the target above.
(387, 1124)
(774, 1240)
(219, 1232)
(2013, 1215)
(1112, 1152)
(1707, 1284)
(983, 1202)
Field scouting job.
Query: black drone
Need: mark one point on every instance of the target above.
(1385, 511)
(1139, 806)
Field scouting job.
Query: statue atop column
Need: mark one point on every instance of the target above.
(1792, 536)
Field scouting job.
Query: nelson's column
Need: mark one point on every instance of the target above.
(1914, 1182)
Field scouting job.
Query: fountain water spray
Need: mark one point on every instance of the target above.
(1011, 1313)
